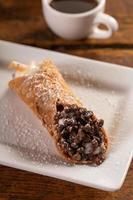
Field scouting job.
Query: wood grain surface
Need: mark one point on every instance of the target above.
(22, 22)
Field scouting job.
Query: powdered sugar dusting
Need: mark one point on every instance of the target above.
(23, 132)
(46, 85)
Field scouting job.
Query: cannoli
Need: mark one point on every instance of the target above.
(78, 135)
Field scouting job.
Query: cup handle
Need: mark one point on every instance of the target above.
(110, 22)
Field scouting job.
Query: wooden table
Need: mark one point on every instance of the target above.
(22, 22)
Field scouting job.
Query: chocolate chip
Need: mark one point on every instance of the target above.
(76, 140)
(90, 157)
(77, 156)
(80, 150)
(99, 159)
(87, 128)
(101, 122)
(59, 107)
(95, 143)
(74, 145)
(86, 157)
(89, 114)
(73, 135)
(97, 138)
(65, 134)
(69, 129)
(71, 151)
(65, 145)
(75, 128)
(91, 122)
(61, 127)
(82, 121)
(86, 140)
(70, 121)
(82, 110)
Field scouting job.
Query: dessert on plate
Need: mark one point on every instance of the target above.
(78, 135)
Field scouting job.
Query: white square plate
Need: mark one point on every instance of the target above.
(105, 88)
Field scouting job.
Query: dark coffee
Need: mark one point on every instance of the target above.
(73, 6)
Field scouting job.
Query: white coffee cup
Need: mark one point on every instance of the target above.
(82, 25)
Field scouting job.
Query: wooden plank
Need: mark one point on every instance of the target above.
(16, 185)
(25, 24)
(121, 57)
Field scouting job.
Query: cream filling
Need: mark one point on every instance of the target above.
(22, 69)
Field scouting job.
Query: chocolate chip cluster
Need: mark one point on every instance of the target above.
(80, 135)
